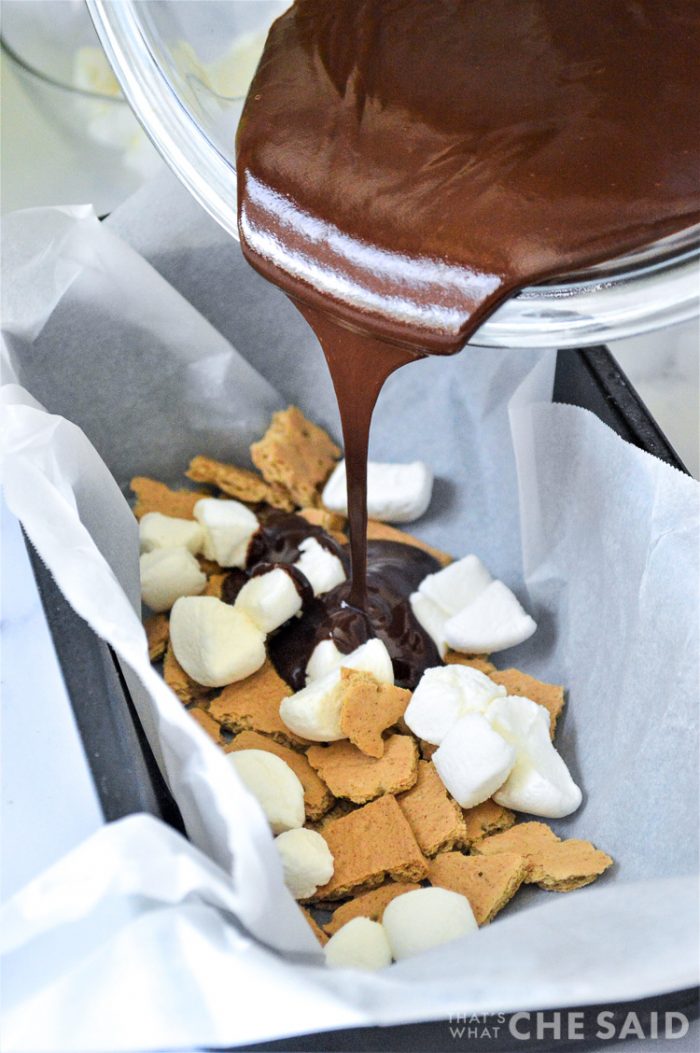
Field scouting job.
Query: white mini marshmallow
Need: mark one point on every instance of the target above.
(274, 784)
(371, 657)
(321, 568)
(457, 584)
(540, 782)
(425, 918)
(269, 599)
(359, 944)
(306, 859)
(228, 528)
(159, 531)
(167, 574)
(314, 712)
(431, 618)
(492, 622)
(213, 642)
(396, 493)
(473, 760)
(325, 657)
(443, 695)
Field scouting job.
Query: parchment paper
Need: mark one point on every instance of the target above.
(140, 939)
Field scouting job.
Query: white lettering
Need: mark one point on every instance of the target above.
(682, 1020)
(606, 1027)
(513, 1025)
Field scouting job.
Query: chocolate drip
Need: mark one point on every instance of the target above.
(404, 167)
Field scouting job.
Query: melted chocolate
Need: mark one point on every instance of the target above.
(406, 165)
(393, 572)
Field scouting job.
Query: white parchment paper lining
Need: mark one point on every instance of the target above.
(141, 939)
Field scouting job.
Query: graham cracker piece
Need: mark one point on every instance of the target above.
(488, 882)
(332, 522)
(207, 723)
(215, 583)
(476, 661)
(427, 749)
(152, 496)
(369, 905)
(314, 926)
(317, 797)
(436, 820)
(368, 846)
(186, 689)
(486, 819)
(377, 531)
(340, 808)
(295, 454)
(157, 631)
(239, 483)
(350, 773)
(210, 566)
(369, 707)
(551, 696)
(553, 864)
(253, 704)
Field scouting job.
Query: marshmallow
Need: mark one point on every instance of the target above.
(275, 786)
(325, 657)
(159, 531)
(473, 760)
(431, 618)
(314, 712)
(456, 585)
(213, 642)
(371, 657)
(359, 944)
(269, 599)
(321, 568)
(425, 918)
(539, 783)
(167, 574)
(93, 73)
(396, 493)
(306, 859)
(228, 528)
(492, 622)
(443, 695)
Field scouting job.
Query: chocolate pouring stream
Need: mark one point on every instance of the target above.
(404, 166)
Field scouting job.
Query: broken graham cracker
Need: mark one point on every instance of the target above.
(377, 531)
(436, 820)
(215, 583)
(207, 723)
(488, 882)
(157, 632)
(368, 846)
(427, 749)
(314, 926)
(551, 696)
(239, 483)
(317, 797)
(340, 808)
(369, 905)
(253, 704)
(152, 496)
(350, 773)
(476, 661)
(485, 819)
(295, 454)
(186, 689)
(553, 864)
(369, 707)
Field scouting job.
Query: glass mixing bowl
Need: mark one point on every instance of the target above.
(185, 68)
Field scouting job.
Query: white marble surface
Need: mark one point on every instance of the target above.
(48, 800)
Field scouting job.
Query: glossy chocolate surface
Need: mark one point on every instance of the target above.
(405, 165)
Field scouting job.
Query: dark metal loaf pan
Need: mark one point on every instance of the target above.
(127, 779)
